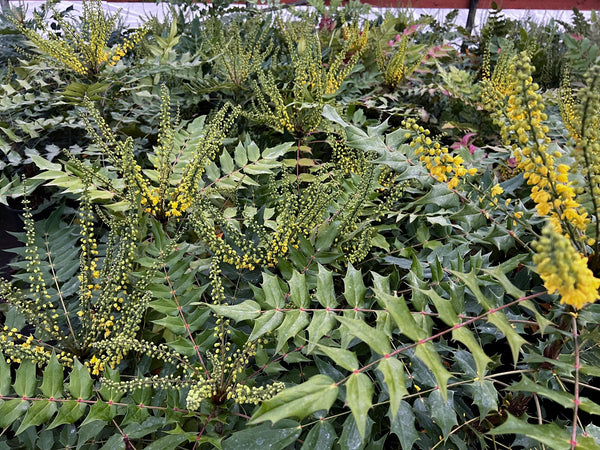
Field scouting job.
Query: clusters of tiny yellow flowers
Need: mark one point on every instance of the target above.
(394, 62)
(82, 51)
(354, 45)
(443, 166)
(564, 270)
(243, 51)
(523, 128)
(583, 122)
(224, 382)
(17, 347)
(568, 108)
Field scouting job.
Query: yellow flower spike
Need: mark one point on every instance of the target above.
(564, 270)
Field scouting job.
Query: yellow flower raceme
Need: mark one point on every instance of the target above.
(521, 120)
(442, 165)
(564, 270)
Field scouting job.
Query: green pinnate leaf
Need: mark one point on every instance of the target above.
(399, 311)
(11, 410)
(426, 352)
(274, 295)
(376, 339)
(80, 382)
(41, 411)
(549, 434)
(402, 424)
(293, 323)
(515, 340)
(321, 323)
(444, 307)
(359, 394)
(298, 290)
(25, 380)
(100, 411)
(393, 375)
(269, 321)
(274, 436)
(325, 291)
(318, 393)
(5, 379)
(442, 411)
(321, 436)
(464, 335)
(52, 382)
(246, 310)
(484, 396)
(354, 287)
(69, 412)
(343, 358)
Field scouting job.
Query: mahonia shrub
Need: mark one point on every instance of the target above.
(305, 233)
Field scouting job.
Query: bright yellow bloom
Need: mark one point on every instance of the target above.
(564, 270)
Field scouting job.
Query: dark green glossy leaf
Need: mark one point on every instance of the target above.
(442, 411)
(403, 425)
(320, 437)
(276, 437)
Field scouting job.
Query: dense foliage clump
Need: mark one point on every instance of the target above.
(299, 229)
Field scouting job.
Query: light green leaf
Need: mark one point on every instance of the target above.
(69, 412)
(298, 290)
(242, 311)
(277, 151)
(342, 357)
(11, 410)
(515, 340)
(376, 339)
(393, 375)
(241, 158)
(265, 324)
(359, 392)
(44, 164)
(444, 307)
(321, 323)
(465, 336)
(100, 411)
(498, 274)
(399, 311)
(565, 399)
(325, 292)
(5, 380)
(293, 323)
(274, 295)
(354, 287)
(52, 383)
(442, 411)
(318, 393)
(426, 353)
(25, 381)
(80, 382)
(41, 411)
(549, 434)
